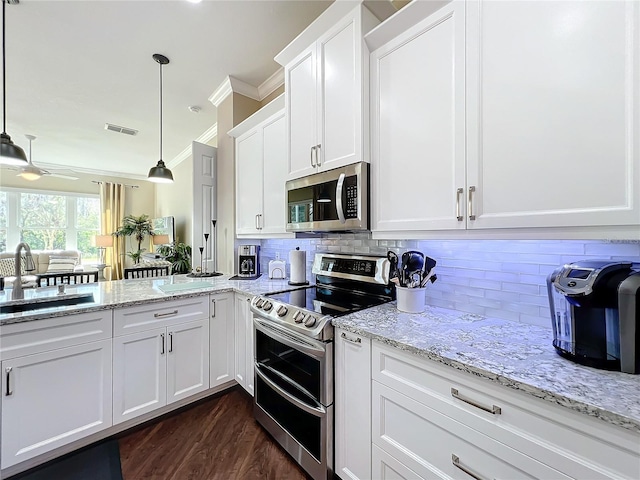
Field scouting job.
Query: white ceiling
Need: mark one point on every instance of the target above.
(73, 66)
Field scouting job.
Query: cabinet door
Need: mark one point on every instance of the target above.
(221, 340)
(353, 406)
(275, 175)
(54, 398)
(242, 312)
(301, 108)
(250, 361)
(187, 359)
(418, 125)
(553, 113)
(249, 181)
(139, 373)
(340, 95)
(385, 467)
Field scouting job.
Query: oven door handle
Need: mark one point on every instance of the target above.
(273, 332)
(261, 366)
(317, 411)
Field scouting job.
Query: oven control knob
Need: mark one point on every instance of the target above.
(267, 305)
(282, 311)
(259, 302)
(298, 317)
(310, 321)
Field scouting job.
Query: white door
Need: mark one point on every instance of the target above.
(187, 359)
(301, 108)
(340, 95)
(418, 126)
(275, 175)
(353, 406)
(54, 398)
(249, 181)
(553, 110)
(221, 339)
(242, 313)
(204, 200)
(139, 374)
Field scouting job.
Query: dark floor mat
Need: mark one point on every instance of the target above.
(100, 461)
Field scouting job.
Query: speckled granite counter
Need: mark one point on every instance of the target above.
(512, 354)
(126, 293)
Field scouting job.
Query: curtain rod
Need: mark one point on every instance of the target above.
(126, 185)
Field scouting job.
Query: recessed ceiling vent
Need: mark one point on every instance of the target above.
(119, 129)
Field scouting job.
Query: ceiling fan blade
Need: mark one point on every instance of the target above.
(60, 175)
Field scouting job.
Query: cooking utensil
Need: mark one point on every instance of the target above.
(412, 262)
(431, 276)
(393, 268)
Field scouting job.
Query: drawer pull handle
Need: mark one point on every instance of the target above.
(162, 338)
(9, 391)
(168, 314)
(495, 410)
(456, 463)
(357, 340)
(170, 342)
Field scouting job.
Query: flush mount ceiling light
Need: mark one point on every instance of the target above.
(160, 173)
(30, 171)
(10, 154)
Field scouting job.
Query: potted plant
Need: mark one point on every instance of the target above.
(179, 254)
(138, 227)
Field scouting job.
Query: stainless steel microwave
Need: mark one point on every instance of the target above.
(335, 200)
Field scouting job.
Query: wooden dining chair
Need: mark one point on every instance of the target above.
(145, 272)
(67, 278)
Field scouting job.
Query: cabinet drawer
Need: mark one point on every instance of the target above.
(385, 467)
(27, 338)
(571, 442)
(429, 443)
(154, 315)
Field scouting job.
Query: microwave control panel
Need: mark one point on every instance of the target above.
(351, 189)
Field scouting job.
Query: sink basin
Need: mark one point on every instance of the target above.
(14, 306)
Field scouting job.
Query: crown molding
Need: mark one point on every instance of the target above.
(271, 84)
(210, 134)
(231, 85)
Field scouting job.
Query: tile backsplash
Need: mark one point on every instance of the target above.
(496, 278)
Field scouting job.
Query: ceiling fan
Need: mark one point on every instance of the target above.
(32, 172)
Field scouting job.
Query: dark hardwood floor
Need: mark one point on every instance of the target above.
(216, 439)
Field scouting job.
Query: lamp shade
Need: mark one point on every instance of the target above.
(160, 239)
(160, 174)
(10, 153)
(103, 241)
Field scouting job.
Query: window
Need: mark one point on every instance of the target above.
(49, 221)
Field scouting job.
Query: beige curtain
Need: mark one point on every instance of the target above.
(112, 205)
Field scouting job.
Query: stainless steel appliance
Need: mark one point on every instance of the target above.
(294, 353)
(248, 261)
(595, 313)
(334, 200)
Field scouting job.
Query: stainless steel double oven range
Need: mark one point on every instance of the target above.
(294, 353)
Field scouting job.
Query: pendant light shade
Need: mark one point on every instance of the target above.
(10, 153)
(160, 173)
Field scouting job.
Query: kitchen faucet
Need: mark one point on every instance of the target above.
(17, 292)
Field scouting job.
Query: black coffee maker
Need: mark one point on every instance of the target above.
(595, 313)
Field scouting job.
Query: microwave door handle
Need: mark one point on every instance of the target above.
(339, 206)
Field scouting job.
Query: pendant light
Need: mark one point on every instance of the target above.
(10, 154)
(160, 173)
(30, 171)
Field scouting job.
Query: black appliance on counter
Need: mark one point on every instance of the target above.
(249, 261)
(294, 353)
(595, 313)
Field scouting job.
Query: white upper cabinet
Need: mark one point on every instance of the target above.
(326, 86)
(506, 115)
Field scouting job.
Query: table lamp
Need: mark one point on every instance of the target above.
(160, 240)
(102, 242)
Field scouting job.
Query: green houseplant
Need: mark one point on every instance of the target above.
(179, 254)
(138, 227)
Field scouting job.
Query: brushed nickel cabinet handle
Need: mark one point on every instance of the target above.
(494, 410)
(170, 342)
(459, 193)
(456, 463)
(357, 340)
(471, 214)
(9, 391)
(317, 155)
(162, 344)
(213, 315)
(257, 224)
(168, 314)
(313, 149)
(260, 223)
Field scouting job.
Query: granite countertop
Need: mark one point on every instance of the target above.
(514, 355)
(127, 293)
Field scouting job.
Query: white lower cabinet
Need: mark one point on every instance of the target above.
(244, 361)
(221, 339)
(352, 406)
(53, 398)
(386, 467)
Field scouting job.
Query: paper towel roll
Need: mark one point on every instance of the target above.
(298, 267)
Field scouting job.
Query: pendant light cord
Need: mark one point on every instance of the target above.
(4, 75)
(160, 110)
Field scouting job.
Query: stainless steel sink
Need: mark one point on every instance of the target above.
(14, 306)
